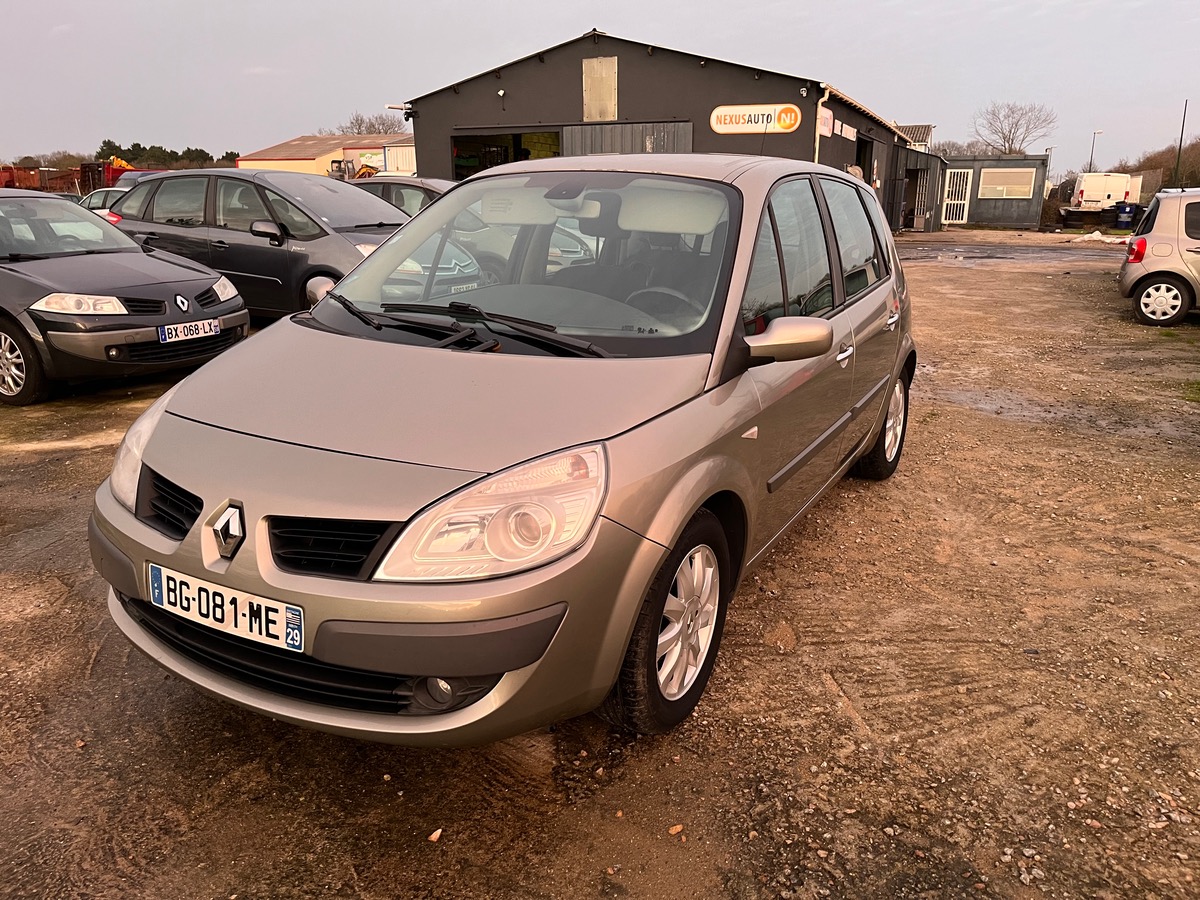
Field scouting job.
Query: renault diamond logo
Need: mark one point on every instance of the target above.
(229, 531)
(182, 302)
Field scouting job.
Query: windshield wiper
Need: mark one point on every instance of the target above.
(348, 306)
(454, 331)
(378, 225)
(21, 257)
(539, 331)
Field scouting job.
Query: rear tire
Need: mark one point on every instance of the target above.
(881, 460)
(677, 634)
(1163, 300)
(22, 379)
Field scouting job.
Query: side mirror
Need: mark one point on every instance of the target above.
(269, 230)
(791, 338)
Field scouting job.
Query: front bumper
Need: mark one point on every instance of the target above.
(553, 638)
(77, 349)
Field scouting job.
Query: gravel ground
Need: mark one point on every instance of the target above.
(979, 678)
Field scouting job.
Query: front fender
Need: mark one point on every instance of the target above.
(665, 469)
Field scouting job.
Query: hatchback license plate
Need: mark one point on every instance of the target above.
(186, 331)
(232, 612)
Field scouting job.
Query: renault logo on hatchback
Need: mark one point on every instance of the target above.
(229, 531)
(182, 302)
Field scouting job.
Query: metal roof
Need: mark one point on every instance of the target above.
(917, 134)
(596, 33)
(310, 146)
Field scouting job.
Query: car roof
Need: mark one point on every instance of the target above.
(710, 166)
(18, 192)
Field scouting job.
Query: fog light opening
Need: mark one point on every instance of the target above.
(436, 693)
(113, 352)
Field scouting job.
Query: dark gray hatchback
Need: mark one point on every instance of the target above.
(275, 235)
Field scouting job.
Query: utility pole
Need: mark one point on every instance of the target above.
(1092, 158)
(1179, 152)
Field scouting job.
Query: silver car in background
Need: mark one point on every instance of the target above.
(511, 504)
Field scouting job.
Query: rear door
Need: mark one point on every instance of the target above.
(175, 221)
(1189, 238)
(805, 403)
(872, 304)
(257, 268)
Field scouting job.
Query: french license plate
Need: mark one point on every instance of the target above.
(186, 331)
(222, 609)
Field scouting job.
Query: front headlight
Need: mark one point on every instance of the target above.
(81, 304)
(366, 249)
(225, 289)
(128, 464)
(517, 519)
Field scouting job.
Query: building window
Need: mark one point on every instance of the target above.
(600, 89)
(1006, 184)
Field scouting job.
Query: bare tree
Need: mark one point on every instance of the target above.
(360, 123)
(1012, 127)
(958, 148)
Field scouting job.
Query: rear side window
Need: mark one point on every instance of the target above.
(132, 205)
(180, 201)
(763, 300)
(862, 267)
(1191, 220)
(805, 252)
(1147, 224)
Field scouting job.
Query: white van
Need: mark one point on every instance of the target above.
(1100, 190)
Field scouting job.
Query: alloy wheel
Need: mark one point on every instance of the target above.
(894, 426)
(688, 623)
(12, 367)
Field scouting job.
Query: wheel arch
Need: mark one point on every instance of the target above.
(35, 337)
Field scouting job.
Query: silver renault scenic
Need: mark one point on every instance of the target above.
(442, 514)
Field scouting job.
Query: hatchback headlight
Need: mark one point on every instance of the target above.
(81, 304)
(225, 289)
(515, 520)
(128, 464)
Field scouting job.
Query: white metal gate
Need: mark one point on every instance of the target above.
(957, 198)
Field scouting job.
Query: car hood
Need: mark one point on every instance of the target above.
(477, 412)
(109, 273)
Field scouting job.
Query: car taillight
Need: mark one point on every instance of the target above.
(1137, 250)
(112, 217)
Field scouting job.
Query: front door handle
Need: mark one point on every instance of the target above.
(219, 245)
(845, 353)
(892, 320)
(1193, 249)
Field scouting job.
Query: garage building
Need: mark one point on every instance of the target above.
(604, 94)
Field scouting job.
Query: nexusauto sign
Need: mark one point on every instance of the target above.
(762, 118)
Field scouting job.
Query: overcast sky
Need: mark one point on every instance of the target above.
(245, 74)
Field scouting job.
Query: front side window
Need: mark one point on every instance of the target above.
(805, 253)
(180, 201)
(763, 299)
(630, 262)
(239, 205)
(862, 266)
(287, 214)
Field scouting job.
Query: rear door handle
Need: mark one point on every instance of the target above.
(845, 353)
(1193, 249)
(892, 320)
(219, 245)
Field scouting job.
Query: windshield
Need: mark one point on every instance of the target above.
(339, 205)
(631, 263)
(45, 227)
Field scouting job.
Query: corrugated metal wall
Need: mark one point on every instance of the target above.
(650, 137)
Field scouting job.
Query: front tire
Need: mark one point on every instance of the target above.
(881, 460)
(22, 379)
(1164, 300)
(678, 632)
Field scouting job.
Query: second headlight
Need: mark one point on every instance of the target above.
(523, 517)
